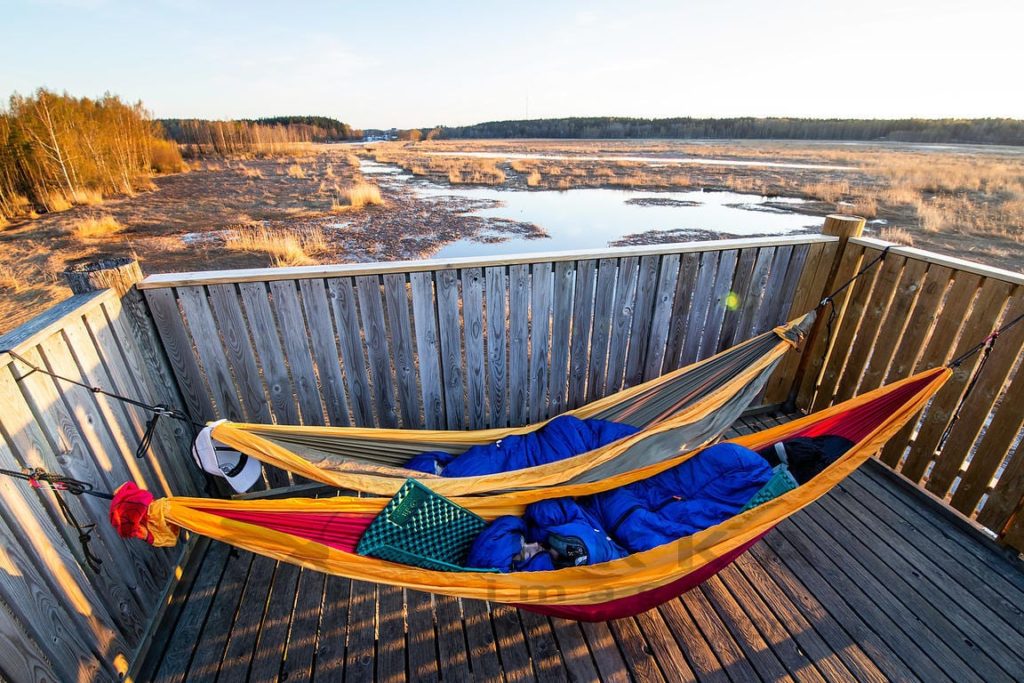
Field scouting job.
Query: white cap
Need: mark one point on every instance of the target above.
(221, 460)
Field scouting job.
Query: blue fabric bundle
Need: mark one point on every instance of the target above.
(705, 490)
(561, 438)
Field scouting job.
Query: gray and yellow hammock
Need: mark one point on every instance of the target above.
(679, 411)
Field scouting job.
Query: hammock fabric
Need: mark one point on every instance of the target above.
(322, 534)
(689, 408)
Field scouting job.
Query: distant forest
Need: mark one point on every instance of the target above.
(57, 151)
(980, 131)
(254, 135)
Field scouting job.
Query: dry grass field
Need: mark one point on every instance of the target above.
(313, 204)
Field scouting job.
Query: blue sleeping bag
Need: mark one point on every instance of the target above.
(707, 489)
(559, 439)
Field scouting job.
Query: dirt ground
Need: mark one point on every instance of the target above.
(181, 225)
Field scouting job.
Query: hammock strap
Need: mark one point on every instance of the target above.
(985, 347)
(987, 342)
(829, 299)
(156, 409)
(38, 478)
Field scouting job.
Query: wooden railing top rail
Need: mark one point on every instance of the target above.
(213, 277)
(943, 260)
(48, 322)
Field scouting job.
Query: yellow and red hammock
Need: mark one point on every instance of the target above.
(321, 534)
(687, 408)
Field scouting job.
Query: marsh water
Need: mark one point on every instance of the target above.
(591, 218)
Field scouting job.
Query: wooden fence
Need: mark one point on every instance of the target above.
(468, 343)
(918, 310)
(460, 344)
(59, 619)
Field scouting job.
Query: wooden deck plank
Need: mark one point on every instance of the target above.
(268, 658)
(788, 561)
(766, 563)
(362, 617)
(663, 646)
(789, 632)
(181, 646)
(702, 659)
(329, 664)
(605, 650)
(515, 656)
(872, 583)
(547, 660)
(246, 625)
(391, 634)
(754, 646)
(638, 654)
(451, 639)
(579, 664)
(988, 575)
(483, 648)
(302, 637)
(422, 641)
(216, 629)
(717, 635)
(872, 601)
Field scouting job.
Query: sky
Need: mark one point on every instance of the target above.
(418, 64)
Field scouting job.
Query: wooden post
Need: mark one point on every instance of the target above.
(119, 274)
(122, 274)
(814, 351)
(843, 227)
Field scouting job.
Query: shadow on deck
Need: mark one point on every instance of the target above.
(873, 582)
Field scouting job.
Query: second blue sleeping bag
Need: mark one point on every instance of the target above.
(561, 438)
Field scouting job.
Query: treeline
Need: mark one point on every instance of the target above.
(254, 136)
(59, 150)
(980, 131)
(328, 129)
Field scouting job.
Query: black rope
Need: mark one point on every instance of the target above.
(157, 410)
(829, 299)
(59, 484)
(985, 347)
(987, 342)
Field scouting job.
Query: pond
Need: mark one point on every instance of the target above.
(594, 218)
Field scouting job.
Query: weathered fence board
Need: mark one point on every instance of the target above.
(67, 621)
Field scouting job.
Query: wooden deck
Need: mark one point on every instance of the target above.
(875, 581)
